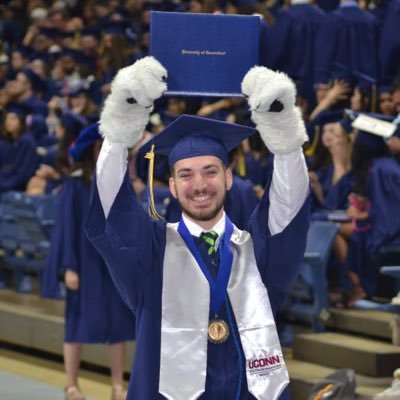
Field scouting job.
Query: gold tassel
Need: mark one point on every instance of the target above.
(152, 206)
(241, 162)
(311, 150)
(76, 40)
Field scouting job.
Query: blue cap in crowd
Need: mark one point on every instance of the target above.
(86, 138)
(190, 136)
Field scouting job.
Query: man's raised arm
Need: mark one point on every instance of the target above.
(122, 121)
(271, 98)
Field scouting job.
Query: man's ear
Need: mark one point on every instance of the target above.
(172, 189)
(228, 179)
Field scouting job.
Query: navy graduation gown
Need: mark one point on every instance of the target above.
(335, 195)
(389, 47)
(349, 37)
(133, 247)
(96, 312)
(292, 43)
(18, 162)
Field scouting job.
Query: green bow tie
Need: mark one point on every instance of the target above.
(210, 238)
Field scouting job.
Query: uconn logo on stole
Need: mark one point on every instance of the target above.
(265, 365)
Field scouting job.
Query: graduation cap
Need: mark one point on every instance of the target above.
(24, 51)
(79, 57)
(73, 123)
(86, 138)
(120, 27)
(191, 136)
(49, 32)
(89, 31)
(21, 109)
(374, 143)
(67, 34)
(38, 84)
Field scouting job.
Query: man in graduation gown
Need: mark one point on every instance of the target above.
(205, 321)
(349, 37)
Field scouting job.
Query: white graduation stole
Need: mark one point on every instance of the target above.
(185, 317)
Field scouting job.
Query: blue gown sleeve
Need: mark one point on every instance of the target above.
(279, 256)
(129, 242)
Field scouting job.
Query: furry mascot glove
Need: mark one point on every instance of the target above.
(127, 108)
(271, 98)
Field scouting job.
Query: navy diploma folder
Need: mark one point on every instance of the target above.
(205, 54)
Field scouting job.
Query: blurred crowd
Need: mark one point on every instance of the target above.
(58, 58)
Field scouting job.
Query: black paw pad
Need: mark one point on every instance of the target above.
(276, 106)
(131, 100)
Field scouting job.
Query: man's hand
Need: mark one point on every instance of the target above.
(71, 280)
(271, 98)
(127, 108)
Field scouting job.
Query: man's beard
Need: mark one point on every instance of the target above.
(199, 216)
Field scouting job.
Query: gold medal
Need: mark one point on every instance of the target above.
(218, 331)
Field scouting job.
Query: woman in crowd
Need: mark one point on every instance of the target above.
(94, 312)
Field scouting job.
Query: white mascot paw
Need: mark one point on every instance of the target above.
(127, 108)
(271, 98)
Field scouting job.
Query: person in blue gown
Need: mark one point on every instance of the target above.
(18, 157)
(292, 43)
(377, 201)
(389, 43)
(330, 172)
(94, 312)
(349, 37)
(191, 346)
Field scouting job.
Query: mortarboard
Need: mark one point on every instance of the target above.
(328, 117)
(116, 27)
(20, 109)
(24, 51)
(120, 27)
(73, 123)
(79, 57)
(191, 136)
(51, 33)
(90, 32)
(374, 143)
(38, 84)
(67, 34)
(86, 138)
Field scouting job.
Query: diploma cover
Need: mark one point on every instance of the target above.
(205, 54)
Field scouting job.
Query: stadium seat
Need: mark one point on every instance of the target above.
(309, 297)
(25, 227)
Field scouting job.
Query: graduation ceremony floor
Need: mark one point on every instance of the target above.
(31, 338)
(25, 377)
(32, 330)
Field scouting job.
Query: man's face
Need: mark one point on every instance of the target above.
(200, 184)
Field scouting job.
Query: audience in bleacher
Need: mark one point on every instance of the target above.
(57, 60)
